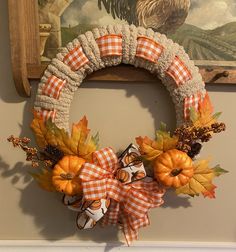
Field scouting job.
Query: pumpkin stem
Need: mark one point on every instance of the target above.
(176, 172)
(67, 176)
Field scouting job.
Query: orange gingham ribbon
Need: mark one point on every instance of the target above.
(191, 101)
(46, 114)
(53, 87)
(148, 49)
(110, 45)
(76, 58)
(129, 203)
(179, 72)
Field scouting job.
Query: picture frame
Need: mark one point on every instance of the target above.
(26, 49)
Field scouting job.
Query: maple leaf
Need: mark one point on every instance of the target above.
(78, 143)
(39, 130)
(164, 139)
(210, 194)
(151, 149)
(44, 179)
(44, 132)
(204, 117)
(201, 182)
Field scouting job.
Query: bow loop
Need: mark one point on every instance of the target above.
(92, 172)
(106, 159)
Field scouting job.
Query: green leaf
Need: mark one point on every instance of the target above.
(163, 127)
(95, 139)
(193, 114)
(218, 171)
(217, 115)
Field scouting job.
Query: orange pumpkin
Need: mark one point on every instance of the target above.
(65, 175)
(122, 175)
(173, 168)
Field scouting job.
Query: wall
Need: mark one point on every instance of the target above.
(119, 112)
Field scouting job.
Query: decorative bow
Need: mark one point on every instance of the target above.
(118, 190)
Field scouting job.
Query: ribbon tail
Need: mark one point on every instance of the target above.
(112, 215)
(130, 234)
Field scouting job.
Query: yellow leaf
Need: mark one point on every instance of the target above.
(201, 182)
(166, 141)
(44, 180)
(85, 150)
(149, 149)
(62, 139)
(78, 143)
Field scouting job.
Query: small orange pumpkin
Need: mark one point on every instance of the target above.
(173, 168)
(122, 175)
(65, 175)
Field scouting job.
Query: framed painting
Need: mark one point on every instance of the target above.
(206, 29)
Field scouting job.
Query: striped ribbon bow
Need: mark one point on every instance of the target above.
(129, 202)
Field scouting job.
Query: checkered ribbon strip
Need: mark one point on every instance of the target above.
(53, 87)
(129, 202)
(179, 72)
(148, 49)
(46, 114)
(75, 59)
(110, 45)
(191, 102)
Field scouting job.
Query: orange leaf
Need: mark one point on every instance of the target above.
(151, 149)
(39, 130)
(204, 117)
(205, 107)
(210, 194)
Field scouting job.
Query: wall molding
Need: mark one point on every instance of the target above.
(72, 246)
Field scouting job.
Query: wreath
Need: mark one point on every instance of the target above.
(100, 184)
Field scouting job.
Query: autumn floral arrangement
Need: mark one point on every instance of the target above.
(115, 189)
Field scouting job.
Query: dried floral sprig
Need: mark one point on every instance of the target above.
(189, 137)
(49, 156)
(31, 153)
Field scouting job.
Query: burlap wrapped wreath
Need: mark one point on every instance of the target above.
(100, 184)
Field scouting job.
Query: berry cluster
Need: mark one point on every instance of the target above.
(49, 156)
(189, 137)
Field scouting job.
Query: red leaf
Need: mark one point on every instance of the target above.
(210, 194)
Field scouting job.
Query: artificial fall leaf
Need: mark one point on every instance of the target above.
(204, 117)
(60, 138)
(78, 143)
(43, 134)
(39, 130)
(44, 180)
(164, 138)
(218, 171)
(201, 182)
(151, 149)
(210, 194)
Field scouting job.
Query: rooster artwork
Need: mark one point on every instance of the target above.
(164, 16)
(206, 29)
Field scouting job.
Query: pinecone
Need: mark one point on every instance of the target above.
(195, 150)
(53, 153)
